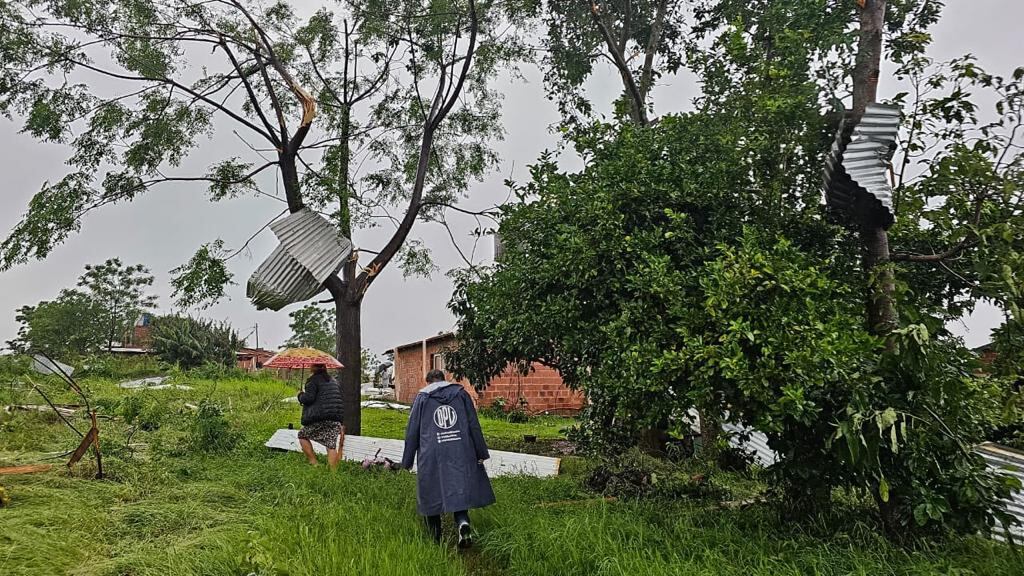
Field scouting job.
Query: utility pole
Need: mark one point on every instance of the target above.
(257, 329)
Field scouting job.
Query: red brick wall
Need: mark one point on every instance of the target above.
(142, 337)
(542, 387)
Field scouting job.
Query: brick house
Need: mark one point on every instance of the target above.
(252, 359)
(542, 388)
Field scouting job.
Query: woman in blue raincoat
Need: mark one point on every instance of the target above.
(445, 440)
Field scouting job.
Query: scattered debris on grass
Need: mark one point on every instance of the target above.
(90, 439)
(383, 405)
(64, 409)
(378, 462)
(46, 365)
(152, 383)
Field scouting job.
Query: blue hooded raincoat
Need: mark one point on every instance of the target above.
(444, 438)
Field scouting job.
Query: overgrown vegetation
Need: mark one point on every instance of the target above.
(190, 342)
(170, 510)
(88, 319)
(690, 264)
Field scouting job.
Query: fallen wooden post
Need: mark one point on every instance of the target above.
(358, 448)
(28, 469)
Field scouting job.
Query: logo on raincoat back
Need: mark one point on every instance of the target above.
(445, 417)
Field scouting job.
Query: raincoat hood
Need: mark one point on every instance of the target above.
(443, 392)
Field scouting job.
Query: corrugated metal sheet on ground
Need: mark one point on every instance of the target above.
(751, 441)
(358, 448)
(858, 163)
(747, 439)
(310, 251)
(1010, 462)
(44, 365)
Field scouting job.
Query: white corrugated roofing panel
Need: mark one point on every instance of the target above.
(311, 240)
(311, 250)
(1010, 462)
(858, 162)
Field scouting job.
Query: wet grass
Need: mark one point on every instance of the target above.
(169, 511)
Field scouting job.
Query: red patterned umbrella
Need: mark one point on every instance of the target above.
(302, 358)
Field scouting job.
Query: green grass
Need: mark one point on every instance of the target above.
(169, 512)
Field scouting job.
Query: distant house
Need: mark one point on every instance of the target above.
(542, 388)
(142, 333)
(138, 340)
(986, 353)
(252, 359)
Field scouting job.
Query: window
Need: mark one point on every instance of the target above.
(437, 362)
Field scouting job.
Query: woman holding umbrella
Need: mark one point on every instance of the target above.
(321, 403)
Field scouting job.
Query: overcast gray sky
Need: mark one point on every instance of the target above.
(163, 228)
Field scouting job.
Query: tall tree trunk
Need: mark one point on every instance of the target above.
(881, 306)
(349, 349)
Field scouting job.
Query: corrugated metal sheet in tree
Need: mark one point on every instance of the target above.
(310, 251)
(857, 166)
(314, 242)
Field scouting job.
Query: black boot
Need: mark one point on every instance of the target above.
(464, 530)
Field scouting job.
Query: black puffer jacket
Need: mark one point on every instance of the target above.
(321, 400)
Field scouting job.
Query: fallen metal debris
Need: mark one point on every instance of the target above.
(359, 448)
(1007, 461)
(310, 251)
(89, 439)
(66, 410)
(857, 166)
(384, 405)
(143, 382)
(49, 366)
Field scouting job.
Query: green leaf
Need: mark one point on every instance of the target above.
(883, 489)
(921, 514)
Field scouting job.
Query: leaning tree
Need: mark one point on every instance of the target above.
(380, 113)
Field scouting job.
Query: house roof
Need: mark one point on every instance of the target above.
(254, 352)
(988, 347)
(435, 338)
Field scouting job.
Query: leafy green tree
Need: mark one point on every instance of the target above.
(398, 88)
(119, 291)
(641, 39)
(72, 324)
(369, 364)
(312, 326)
(190, 342)
(689, 263)
(1008, 345)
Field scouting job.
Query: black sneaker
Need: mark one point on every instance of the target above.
(465, 535)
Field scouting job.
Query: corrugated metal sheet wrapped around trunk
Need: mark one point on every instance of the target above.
(1011, 463)
(310, 251)
(857, 166)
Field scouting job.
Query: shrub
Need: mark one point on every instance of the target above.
(143, 410)
(518, 414)
(114, 366)
(496, 410)
(190, 343)
(12, 365)
(214, 371)
(210, 430)
(897, 420)
(634, 474)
